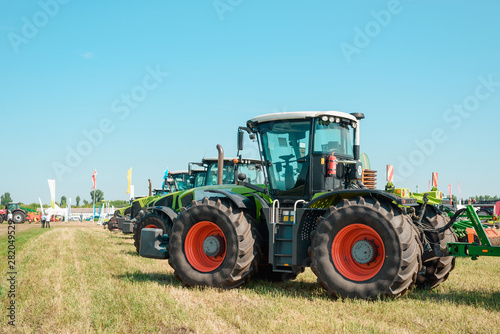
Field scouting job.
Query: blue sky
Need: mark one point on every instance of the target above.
(163, 82)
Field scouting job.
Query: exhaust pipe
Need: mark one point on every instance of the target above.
(220, 164)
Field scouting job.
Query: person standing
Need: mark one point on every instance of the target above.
(9, 217)
(47, 222)
(43, 221)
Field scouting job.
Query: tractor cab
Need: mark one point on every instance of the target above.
(177, 181)
(305, 153)
(232, 170)
(12, 206)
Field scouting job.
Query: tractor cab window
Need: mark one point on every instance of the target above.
(227, 174)
(286, 149)
(182, 181)
(199, 179)
(331, 137)
(13, 206)
(253, 174)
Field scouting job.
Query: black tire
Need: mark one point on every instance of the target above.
(234, 265)
(152, 220)
(371, 222)
(18, 217)
(437, 269)
(1, 219)
(483, 212)
(112, 224)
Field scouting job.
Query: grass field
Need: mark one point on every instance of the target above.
(83, 279)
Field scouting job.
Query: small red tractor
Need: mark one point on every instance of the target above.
(18, 214)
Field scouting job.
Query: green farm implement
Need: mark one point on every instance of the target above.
(481, 241)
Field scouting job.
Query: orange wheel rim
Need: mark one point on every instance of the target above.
(151, 226)
(358, 252)
(205, 246)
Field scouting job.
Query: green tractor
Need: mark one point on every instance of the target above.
(177, 181)
(124, 219)
(312, 210)
(161, 211)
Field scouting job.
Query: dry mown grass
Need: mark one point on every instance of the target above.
(86, 279)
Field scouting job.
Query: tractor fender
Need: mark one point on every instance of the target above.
(164, 210)
(333, 197)
(240, 201)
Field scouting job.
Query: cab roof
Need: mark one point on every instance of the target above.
(294, 115)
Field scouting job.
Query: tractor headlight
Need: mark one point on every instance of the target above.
(354, 125)
(337, 120)
(324, 118)
(332, 119)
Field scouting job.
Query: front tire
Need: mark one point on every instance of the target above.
(212, 244)
(363, 248)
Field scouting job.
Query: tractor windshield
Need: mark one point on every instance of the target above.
(330, 137)
(13, 206)
(199, 179)
(227, 174)
(182, 181)
(286, 149)
(253, 174)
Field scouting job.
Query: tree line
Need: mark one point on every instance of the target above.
(99, 200)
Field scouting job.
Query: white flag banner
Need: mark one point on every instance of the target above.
(69, 210)
(131, 191)
(41, 206)
(52, 188)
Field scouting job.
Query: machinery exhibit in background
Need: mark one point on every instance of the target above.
(465, 223)
(159, 211)
(19, 214)
(312, 210)
(476, 227)
(124, 219)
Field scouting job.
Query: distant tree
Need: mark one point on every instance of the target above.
(6, 199)
(63, 201)
(118, 203)
(483, 198)
(32, 206)
(99, 196)
(77, 200)
(85, 202)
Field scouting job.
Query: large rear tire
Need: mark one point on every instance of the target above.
(437, 269)
(363, 248)
(152, 220)
(212, 244)
(18, 217)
